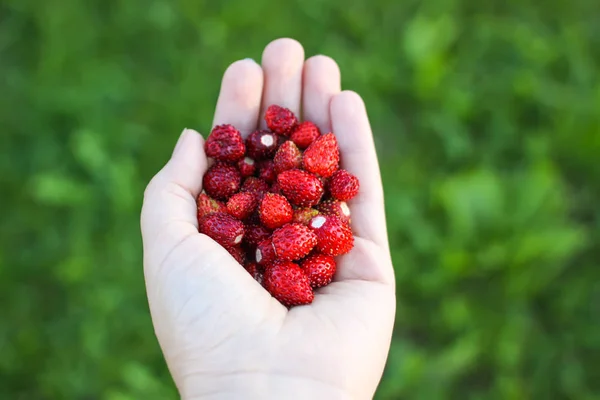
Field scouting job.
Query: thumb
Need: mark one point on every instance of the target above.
(169, 209)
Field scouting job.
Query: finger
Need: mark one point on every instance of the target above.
(239, 99)
(351, 127)
(282, 63)
(321, 81)
(169, 208)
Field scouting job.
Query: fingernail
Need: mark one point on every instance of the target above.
(249, 59)
(180, 141)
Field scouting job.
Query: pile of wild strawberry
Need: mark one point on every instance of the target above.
(277, 203)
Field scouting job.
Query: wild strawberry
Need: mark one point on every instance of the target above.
(302, 188)
(255, 185)
(319, 268)
(255, 234)
(343, 185)
(266, 171)
(280, 120)
(304, 215)
(241, 205)
(222, 228)
(288, 283)
(207, 205)
(221, 181)
(238, 253)
(265, 253)
(288, 156)
(335, 207)
(333, 236)
(274, 211)
(225, 143)
(322, 156)
(254, 270)
(275, 188)
(247, 167)
(293, 241)
(261, 144)
(304, 134)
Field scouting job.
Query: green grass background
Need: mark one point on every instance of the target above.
(486, 116)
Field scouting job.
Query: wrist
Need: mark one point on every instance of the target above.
(261, 386)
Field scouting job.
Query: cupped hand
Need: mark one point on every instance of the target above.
(222, 334)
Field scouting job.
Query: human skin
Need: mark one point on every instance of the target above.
(223, 336)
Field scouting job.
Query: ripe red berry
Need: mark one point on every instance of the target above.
(304, 215)
(255, 185)
(255, 234)
(221, 181)
(293, 241)
(274, 211)
(288, 156)
(304, 134)
(222, 228)
(241, 205)
(238, 253)
(335, 207)
(247, 167)
(265, 253)
(302, 188)
(261, 144)
(343, 185)
(225, 143)
(266, 171)
(334, 237)
(207, 205)
(319, 268)
(280, 120)
(322, 157)
(288, 283)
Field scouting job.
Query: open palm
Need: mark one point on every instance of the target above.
(222, 334)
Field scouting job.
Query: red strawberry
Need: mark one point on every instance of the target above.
(304, 215)
(274, 211)
(293, 241)
(241, 205)
(288, 156)
(255, 234)
(304, 134)
(275, 188)
(222, 228)
(247, 167)
(255, 185)
(343, 185)
(287, 282)
(280, 120)
(221, 181)
(266, 171)
(319, 268)
(207, 205)
(302, 188)
(265, 253)
(225, 143)
(335, 207)
(333, 236)
(254, 270)
(322, 156)
(238, 253)
(261, 144)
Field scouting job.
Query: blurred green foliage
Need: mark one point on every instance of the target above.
(487, 123)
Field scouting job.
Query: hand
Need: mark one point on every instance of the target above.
(222, 334)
